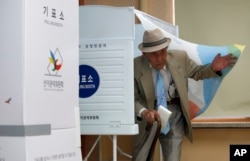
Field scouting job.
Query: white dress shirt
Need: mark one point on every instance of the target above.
(167, 79)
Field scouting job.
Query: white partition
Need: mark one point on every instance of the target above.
(39, 76)
(106, 87)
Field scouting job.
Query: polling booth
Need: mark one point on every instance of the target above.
(106, 84)
(39, 113)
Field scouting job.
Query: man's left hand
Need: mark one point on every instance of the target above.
(221, 62)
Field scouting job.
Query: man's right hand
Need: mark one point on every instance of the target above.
(150, 116)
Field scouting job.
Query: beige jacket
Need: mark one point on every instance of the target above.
(181, 68)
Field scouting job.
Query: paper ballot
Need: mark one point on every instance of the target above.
(165, 115)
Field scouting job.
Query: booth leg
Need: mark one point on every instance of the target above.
(120, 150)
(91, 150)
(114, 148)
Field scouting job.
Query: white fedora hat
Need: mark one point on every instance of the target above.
(153, 40)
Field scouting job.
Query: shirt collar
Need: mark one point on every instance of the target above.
(164, 67)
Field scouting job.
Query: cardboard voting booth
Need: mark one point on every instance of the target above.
(106, 87)
(39, 80)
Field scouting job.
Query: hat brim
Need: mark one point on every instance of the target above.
(154, 48)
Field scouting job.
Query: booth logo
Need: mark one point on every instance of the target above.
(89, 81)
(54, 66)
(55, 62)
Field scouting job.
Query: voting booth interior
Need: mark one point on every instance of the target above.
(39, 80)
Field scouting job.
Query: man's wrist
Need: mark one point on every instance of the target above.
(140, 114)
(144, 113)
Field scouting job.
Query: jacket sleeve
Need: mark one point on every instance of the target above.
(138, 105)
(198, 72)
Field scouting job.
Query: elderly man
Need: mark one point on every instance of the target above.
(174, 67)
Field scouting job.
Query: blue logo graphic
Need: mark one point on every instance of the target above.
(89, 81)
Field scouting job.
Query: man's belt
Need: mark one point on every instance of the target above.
(171, 102)
(174, 101)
